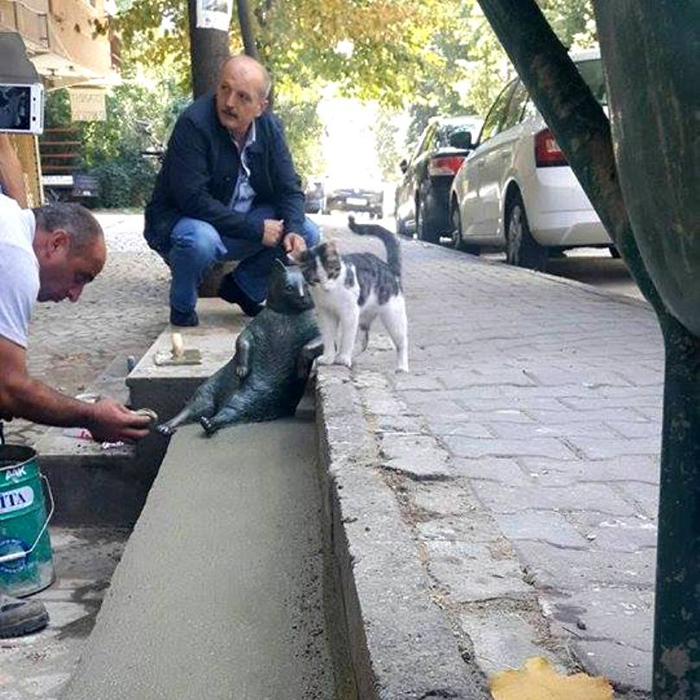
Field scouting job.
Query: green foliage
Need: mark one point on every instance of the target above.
(387, 146)
(139, 117)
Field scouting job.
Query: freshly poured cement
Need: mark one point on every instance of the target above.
(218, 595)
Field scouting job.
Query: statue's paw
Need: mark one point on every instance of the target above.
(344, 360)
(206, 424)
(165, 429)
(242, 371)
(326, 359)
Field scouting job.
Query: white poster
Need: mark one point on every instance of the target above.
(214, 14)
(87, 105)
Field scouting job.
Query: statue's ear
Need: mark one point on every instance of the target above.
(279, 264)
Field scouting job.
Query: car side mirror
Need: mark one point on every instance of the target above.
(461, 139)
(403, 165)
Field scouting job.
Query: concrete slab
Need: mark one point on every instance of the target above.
(218, 593)
(167, 388)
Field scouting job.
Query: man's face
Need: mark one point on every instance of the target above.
(239, 96)
(63, 274)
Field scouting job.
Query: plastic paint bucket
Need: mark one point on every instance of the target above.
(26, 562)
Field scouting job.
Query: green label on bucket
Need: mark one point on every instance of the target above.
(16, 499)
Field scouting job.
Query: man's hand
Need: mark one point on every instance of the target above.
(293, 244)
(112, 422)
(272, 232)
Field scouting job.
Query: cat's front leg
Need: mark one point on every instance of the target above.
(349, 322)
(327, 324)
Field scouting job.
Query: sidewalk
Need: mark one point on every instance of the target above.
(519, 457)
(522, 451)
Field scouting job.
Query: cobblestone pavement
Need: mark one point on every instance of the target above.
(119, 314)
(523, 451)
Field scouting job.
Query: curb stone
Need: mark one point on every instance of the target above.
(401, 645)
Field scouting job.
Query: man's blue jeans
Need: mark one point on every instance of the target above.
(196, 245)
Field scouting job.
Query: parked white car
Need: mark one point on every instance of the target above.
(516, 192)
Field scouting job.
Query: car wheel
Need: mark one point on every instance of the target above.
(614, 252)
(456, 233)
(425, 227)
(522, 249)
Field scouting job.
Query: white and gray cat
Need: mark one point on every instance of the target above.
(351, 290)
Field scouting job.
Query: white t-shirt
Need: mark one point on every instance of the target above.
(19, 270)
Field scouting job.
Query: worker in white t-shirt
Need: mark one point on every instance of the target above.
(46, 254)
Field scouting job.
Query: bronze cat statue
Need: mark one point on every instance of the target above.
(267, 375)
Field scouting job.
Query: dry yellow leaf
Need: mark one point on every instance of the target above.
(539, 681)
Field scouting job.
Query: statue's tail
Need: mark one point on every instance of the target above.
(391, 243)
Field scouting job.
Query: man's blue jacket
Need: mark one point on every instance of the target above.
(200, 171)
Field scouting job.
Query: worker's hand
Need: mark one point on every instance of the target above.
(112, 422)
(293, 245)
(273, 229)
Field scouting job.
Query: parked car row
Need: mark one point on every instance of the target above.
(513, 189)
(368, 199)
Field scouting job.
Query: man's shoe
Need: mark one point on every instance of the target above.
(231, 292)
(20, 617)
(178, 318)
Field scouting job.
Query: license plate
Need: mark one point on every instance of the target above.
(357, 201)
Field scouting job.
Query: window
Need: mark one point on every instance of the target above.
(516, 106)
(494, 119)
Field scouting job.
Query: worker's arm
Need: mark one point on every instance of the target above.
(24, 397)
(11, 177)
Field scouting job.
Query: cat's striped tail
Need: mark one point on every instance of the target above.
(391, 242)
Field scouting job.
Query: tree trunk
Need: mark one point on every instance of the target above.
(654, 85)
(677, 614)
(208, 49)
(246, 24)
(654, 101)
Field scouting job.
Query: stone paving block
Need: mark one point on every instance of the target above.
(423, 382)
(440, 497)
(432, 405)
(625, 665)
(475, 526)
(643, 468)
(616, 534)
(607, 448)
(478, 377)
(604, 612)
(418, 455)
(504, 640)
(559, 413)
(542, 525)
(595, 403)
(501, 498)
(505, 471)
(646, 495)
(535, 447)
(592, 428)
(471, 572)
(575, 569)
(446, 427)
(636, 429)
(512, 404)
(548, 376)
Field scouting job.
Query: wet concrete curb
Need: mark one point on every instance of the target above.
(400, 644)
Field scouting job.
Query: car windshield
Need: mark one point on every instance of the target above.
(592, 73)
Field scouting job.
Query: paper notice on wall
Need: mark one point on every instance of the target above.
(87, 105)
(214, 14)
